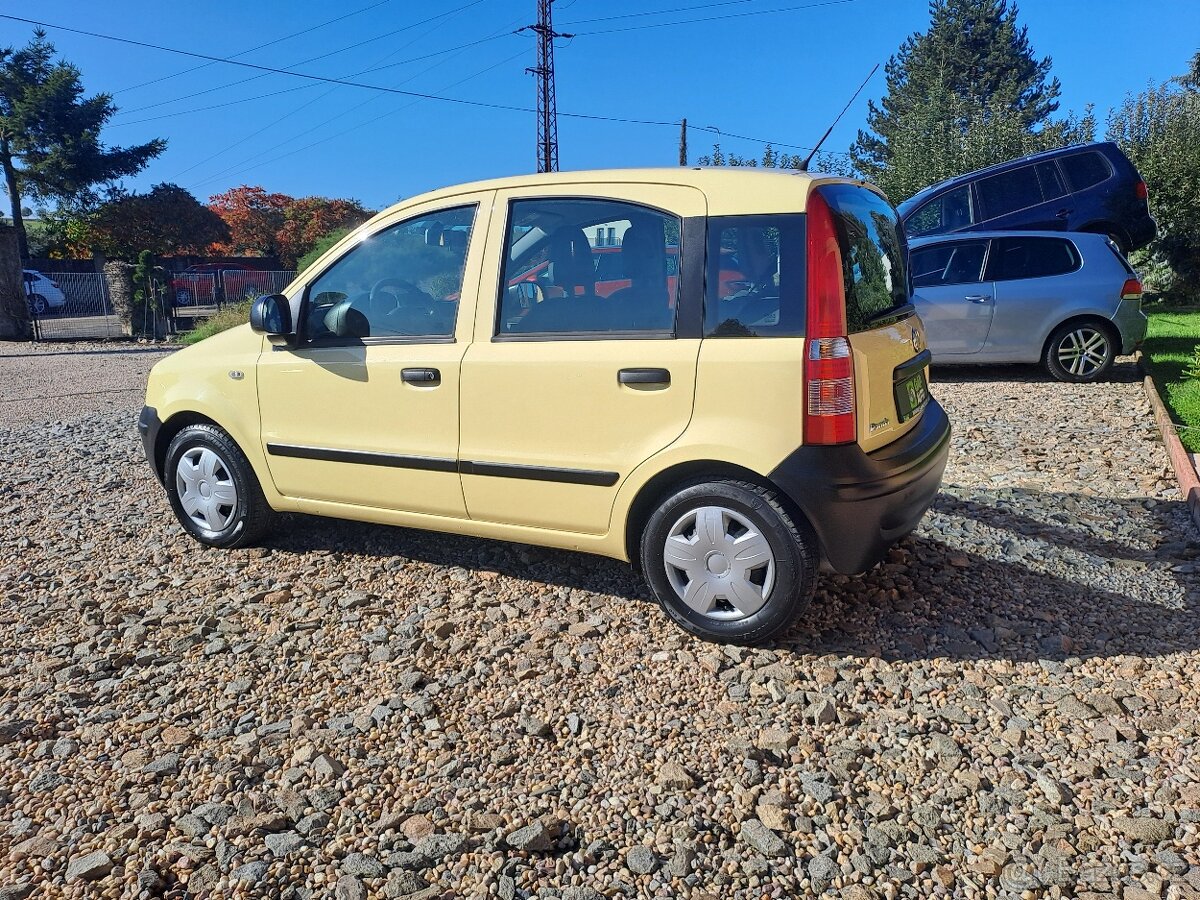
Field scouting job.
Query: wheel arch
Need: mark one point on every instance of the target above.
(171, 427)
(675, 477)
(1084, 319)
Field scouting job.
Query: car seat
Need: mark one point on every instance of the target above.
(644, 305)
(572, 271)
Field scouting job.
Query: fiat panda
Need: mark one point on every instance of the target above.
(752, 406)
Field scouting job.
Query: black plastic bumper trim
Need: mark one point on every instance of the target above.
(438, 464)
(148, 426)
(861, 503)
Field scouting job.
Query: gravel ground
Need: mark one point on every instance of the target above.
(1009, 706)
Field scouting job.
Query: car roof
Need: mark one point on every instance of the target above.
(727, 190)
(996, 167)
(1084, 236)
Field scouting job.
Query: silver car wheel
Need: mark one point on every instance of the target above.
(719, 563)
(206, 489)
(1084, 351)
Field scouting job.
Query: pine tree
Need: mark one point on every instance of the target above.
(972, 74)
(50, 133)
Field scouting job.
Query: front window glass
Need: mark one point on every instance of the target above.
(950, 211)
(401, 282)
(588, 267)
(956, 263)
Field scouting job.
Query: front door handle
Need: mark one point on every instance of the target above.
(643, 376)
(1062, 213)
(429, 377)
(977, 298)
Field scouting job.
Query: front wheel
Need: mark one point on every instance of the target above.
(728, 562)
(1080, 352)
(213, 490)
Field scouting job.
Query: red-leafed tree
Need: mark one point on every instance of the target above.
(307, 220)
(254, 218)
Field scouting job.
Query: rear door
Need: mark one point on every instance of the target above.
(564, 394)
(1016, 199)
(954, 302)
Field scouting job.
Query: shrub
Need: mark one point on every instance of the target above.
(233, 315)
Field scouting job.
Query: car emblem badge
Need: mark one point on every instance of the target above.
(918, 341)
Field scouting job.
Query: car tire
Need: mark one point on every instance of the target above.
(183, 298)
(1081, 352)
(38, 305)
(213, 489)
(719, 592)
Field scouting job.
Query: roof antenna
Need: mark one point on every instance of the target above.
(808, 159)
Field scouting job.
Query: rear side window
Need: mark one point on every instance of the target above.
(1031, 257)
(1009, 191)
(756, 276)
(874, 254)
(950, 211)
(1085, 169)
(960, 262)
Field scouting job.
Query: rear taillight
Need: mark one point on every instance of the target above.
(1141, 190)
(829, 364)
(1131, 289)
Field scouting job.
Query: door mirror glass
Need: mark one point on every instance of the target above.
(271, 314)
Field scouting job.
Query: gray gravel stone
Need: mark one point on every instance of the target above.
(641, 860)
(762, 839)
(89, 867)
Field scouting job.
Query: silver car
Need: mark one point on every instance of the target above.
(1067, 300)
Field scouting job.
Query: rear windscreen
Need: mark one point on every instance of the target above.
(874, 254)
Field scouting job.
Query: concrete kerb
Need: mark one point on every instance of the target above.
(1181, 461)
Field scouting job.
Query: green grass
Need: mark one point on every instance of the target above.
(1170, 348)
(229, 317)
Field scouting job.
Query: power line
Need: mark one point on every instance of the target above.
(655, 12)
(305, 62)
(418, 95)
(279, 40)
(737, 15)
(326, 94)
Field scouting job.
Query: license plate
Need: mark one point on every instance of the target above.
(911, 396)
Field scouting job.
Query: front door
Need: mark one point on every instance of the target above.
(954, 302)
(364, 411)
(567, 389)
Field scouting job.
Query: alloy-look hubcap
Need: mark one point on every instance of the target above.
(1083, 352)
(206, 489)
(718, 563)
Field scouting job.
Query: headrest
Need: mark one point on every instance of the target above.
(642, 254)
(346, 321)
(571, 263)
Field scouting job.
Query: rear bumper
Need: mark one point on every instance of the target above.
(148, 425)
(860, 503)
(1131, 322)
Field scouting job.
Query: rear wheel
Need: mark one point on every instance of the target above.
(1081, 351)
(183, 297)
(728, 562)
(38, 305)
(213, 490)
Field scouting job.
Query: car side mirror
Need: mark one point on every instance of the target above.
(271, 314)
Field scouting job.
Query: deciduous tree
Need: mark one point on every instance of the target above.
(254, 218)
(166, 221)
(308, 219)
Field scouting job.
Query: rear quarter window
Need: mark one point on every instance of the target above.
(1085, 169)
(1031, 257)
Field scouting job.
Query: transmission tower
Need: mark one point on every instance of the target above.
(547, 112)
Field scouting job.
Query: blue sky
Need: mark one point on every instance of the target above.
(781, 76)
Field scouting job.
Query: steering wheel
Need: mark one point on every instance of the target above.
(406, 287)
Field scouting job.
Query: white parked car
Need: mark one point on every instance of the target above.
(45, 296)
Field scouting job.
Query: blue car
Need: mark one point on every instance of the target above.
(1089, 187)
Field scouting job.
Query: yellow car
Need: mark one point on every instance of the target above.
(740, 398)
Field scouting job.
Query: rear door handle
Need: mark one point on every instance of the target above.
(421, 376)
(1062, 213)
(643, 376)
(977, 298)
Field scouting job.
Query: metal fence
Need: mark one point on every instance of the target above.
(71, 305)
(66, 305)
